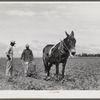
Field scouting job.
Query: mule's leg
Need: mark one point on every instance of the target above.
(45, 65)
(45, 62)
(57, 70)
(63, 68)
(49, 67)
(48, 71)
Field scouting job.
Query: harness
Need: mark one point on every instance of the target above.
(62, 48)
(51, 50)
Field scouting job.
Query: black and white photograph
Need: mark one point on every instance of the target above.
(50, 46)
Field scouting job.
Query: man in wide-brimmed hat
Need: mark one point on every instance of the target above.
(9, 56)
(27, 58)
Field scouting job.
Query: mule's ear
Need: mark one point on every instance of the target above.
(72, 34)
(66, 34)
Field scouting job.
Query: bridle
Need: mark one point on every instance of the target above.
(64, 47)
(62, 51)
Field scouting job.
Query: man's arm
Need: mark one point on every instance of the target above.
(32, 57)
(8, 54)
(22, 55)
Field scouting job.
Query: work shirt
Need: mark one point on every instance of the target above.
(27, 55)
(9, 53)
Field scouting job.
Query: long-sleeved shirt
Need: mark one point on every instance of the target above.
(9, 53)
(27, 55)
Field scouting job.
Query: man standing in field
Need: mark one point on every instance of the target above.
(27, 58)
(9, 56)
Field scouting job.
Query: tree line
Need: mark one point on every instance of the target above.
(88, 55)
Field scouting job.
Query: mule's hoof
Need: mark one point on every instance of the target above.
(56, 79)
(47, 78)
(62, 81)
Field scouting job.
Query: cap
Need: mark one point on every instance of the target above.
(27, 45)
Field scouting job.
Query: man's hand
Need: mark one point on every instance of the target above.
(33, 63)
(8, 57)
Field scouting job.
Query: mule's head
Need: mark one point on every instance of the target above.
(70, 42)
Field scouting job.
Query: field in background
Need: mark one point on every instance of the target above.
(80, 74)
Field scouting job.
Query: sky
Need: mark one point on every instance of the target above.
(39, 24)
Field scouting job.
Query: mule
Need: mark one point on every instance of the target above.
(59, 53)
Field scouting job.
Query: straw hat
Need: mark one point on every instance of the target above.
(13, 42)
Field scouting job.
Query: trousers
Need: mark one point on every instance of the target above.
(9, 68)
(26, 66)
